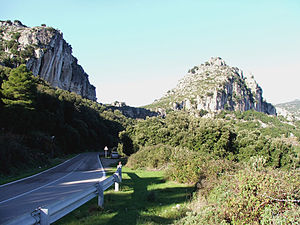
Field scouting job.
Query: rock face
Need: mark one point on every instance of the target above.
(133, 112)
(46, 54)
(215, 86)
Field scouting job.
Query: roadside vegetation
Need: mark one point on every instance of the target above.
(145, 197)
(227, 192)
(245, 165)
(254, 195)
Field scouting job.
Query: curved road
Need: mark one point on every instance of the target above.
(60, 182)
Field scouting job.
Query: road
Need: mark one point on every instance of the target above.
(60, 182)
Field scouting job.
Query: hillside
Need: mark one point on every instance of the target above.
(212, 87)
(46, 53)
(291, 110)
(39, 122)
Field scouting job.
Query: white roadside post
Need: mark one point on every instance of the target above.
(44, 216)
(118, 177)
(105, 150)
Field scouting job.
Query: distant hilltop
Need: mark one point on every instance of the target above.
(214, 86)
(45, 53)
(290, 110)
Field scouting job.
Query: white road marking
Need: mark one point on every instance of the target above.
(25, 178)
(103, 171)
(82, 181)
(28, 192)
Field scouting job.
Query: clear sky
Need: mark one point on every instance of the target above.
(136, 50)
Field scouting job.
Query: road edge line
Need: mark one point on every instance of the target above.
(101, 166)
(25, 178)
(45, 185)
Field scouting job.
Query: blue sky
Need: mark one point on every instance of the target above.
(136, 50)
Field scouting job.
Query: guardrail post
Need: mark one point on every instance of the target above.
(44, 216)
(100, 194)
(118, 177)
(117, 186)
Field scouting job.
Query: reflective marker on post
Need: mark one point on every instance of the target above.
(105, 150)
(44, 216)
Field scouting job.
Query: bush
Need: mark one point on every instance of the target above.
(153, 157)
(249, 197)
(180, 164)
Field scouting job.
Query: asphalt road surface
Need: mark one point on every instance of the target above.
(55, 184)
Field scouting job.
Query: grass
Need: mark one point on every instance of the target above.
(31, 171)
(144, 198)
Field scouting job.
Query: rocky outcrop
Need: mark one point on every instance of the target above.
(46, 54)
(215, 86)
(133, 112)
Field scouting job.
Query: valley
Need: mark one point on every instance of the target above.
(229, 156)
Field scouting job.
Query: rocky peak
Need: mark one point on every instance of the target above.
(46, 53)
(215, 86)
(216, 61)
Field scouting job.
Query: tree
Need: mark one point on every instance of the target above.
(128, 148)
(19, 89)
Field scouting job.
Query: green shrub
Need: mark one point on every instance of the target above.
(180, 164)
(153, 157)
(249, 196)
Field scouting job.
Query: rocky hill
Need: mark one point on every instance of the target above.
(215, 86)
(46, 53)
(290, 110)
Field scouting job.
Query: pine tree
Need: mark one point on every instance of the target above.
(19, 89)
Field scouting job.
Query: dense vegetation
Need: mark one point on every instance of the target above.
(253, 195)
(39, 122)
(245, 165)
(228, 192)
(236, 137)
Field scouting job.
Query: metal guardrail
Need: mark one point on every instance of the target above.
(51, 213)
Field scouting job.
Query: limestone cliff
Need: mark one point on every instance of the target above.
(215, 86)
(46, 54)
